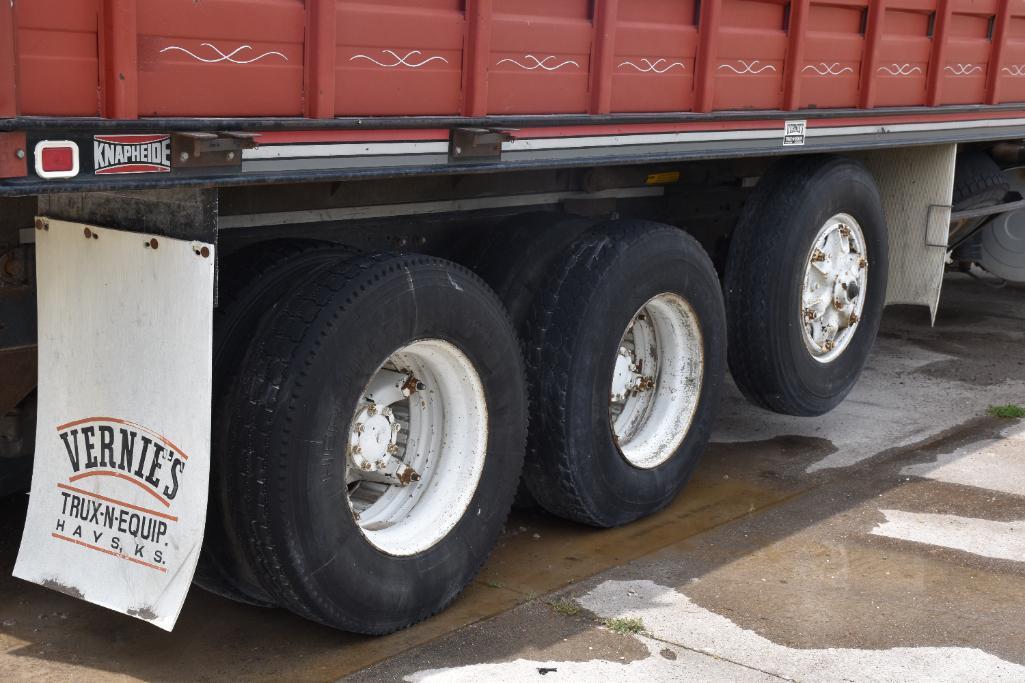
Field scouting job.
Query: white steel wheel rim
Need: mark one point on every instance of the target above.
(416, 447)
(656, 380)
(834, 287)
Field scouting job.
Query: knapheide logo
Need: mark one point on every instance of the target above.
(131, 154)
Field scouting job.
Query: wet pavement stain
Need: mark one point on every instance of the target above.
(537, 554)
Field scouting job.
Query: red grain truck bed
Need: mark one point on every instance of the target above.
(125, 59)
(559, 83)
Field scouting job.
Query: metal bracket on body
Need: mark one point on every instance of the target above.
(201, 150)
(931, 219)
(477, 144)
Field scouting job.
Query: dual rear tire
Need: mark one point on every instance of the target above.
(372, 444)
(372, 425)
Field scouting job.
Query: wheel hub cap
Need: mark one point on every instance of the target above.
(832, 297)
(415, 447)
(656, 381)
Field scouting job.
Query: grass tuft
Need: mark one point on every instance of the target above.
(1008, 411)
(565, 607)
(623, 626)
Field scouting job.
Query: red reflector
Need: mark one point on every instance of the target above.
(58, 159)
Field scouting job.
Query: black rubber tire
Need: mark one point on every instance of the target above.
(978, 181)
(302, 381)
(574, 468)
(252, 282)
(768, 358)
(514, 260)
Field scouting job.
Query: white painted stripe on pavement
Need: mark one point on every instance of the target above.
(1000, 540)
(996, 464)
(671, 617)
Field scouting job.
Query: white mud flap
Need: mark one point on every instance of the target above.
(916, 185)
(119, 488)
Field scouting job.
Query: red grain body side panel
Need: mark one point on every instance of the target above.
(968, 49)
(127, 59)
(8, 93)
(399, 57)
(1010, 72)
(221, 57)
(540, 57)
(748, 66)
(58, 59)
(834, 46)
(653, 61)
(902, 65)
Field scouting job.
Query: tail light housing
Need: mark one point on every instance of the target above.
(57, 159)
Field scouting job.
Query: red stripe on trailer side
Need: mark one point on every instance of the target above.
(133, 168)
(312, 136)
(708, 43)
(321, 56)
(8, 94)
(119, 60)
(795, 54)
(326, 136)
(1002, 20)
(873, 39)
(130, 139)
(602, 52)
(478, 50)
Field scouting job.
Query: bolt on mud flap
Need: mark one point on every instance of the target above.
(119, 486)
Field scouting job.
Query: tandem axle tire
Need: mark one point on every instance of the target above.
(382, 431)
(253, 282)
(806, 284)
(514, 261)
(626, 354)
